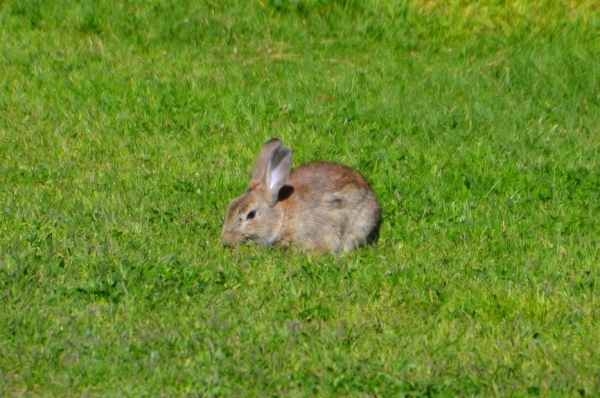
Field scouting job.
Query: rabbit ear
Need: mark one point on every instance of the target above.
(278, 171)
(260, 167)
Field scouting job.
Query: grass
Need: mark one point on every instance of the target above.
(127, 127)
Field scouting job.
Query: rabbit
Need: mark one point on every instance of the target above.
(319, 206)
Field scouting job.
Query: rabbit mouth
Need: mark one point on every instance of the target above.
(258, 240)
(250, 239)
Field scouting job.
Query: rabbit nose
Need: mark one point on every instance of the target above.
(227, 238)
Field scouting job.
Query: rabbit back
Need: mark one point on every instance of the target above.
(329, 206)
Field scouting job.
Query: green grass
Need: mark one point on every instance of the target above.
(127, 126)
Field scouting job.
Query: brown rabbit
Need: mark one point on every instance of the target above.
(319, 206)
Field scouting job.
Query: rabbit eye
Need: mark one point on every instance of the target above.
(251, 215)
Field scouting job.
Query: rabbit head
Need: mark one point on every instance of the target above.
(254, 215)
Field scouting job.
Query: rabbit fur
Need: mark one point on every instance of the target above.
(320, 206)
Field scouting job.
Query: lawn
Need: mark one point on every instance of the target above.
(127, 126)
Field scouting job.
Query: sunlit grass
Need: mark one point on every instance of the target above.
(127, 127)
